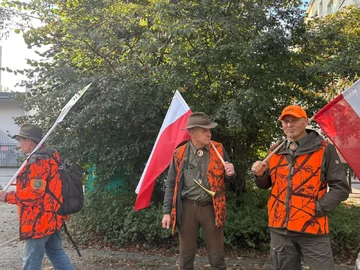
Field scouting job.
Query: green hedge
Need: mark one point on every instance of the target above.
(110, 218)
(345, 231)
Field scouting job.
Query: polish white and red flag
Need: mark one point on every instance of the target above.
(169, 137)
(340, 121)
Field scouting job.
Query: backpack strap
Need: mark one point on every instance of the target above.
(48, 153)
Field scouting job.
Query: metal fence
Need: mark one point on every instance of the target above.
(8, 155)
(8, 151)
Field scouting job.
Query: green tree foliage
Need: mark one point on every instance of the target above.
(241, 62)
(232, 60)
(331, 51)
(12, 17)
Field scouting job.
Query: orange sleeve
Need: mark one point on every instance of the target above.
(10, 197)
(35, 186)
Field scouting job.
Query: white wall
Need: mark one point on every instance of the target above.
(9, 109)
(5, 176)
(321, 7)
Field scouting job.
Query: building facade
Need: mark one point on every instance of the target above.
(9, 108)
(320, 8)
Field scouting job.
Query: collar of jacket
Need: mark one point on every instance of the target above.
(312, 143)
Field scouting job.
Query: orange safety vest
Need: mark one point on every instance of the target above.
(215, 176)
(37, 208)
(294, 192)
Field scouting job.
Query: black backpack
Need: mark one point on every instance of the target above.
(71, 180)
(72, 188)
(72, 192)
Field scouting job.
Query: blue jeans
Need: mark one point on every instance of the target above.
(51, 245)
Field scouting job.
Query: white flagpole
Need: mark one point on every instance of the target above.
(61, 117)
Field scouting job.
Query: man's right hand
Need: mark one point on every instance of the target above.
(166, 221)
(259, 168)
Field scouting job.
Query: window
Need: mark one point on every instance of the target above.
(330, 7)
(321, 8)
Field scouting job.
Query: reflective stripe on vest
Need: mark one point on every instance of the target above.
(295, 190)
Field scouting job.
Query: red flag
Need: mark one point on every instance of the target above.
(170, 136)
(340, 121)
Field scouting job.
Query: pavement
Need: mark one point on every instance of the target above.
(354, 196)
(6, 174)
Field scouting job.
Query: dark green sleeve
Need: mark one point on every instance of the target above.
(170, 186)
(263, 182)
(334, 174)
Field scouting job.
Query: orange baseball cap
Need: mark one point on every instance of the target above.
(293, 110)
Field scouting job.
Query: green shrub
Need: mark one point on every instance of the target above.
(345, 230)
(110, 218)
(144, 226)
(246, 224)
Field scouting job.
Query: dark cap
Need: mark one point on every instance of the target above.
(30, 131)
(199, 119)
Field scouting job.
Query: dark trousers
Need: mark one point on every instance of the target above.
(286, 252)
(192, 217)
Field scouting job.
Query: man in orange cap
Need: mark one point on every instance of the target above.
(198, 164)
(307, 182)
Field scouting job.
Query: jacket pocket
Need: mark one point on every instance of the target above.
(319, 212)
(275, 255)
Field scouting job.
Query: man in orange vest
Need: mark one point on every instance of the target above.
(38, 197)
(195, 193)
(307, 182)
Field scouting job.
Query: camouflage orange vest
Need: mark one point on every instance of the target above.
(294, 192)
(215, 176)
(37, 208)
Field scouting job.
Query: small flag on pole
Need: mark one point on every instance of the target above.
(340, 121)
(60, 118)
(71, 103)
(169, 137)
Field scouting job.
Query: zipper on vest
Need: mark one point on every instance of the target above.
(289, 191)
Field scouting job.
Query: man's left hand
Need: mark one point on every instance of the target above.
(229, 169)
(2, 195)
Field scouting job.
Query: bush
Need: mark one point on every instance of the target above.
(246, 224)
(345, 230)
(110, 218)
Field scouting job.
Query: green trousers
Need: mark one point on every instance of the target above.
(193, 216)
(286, 252)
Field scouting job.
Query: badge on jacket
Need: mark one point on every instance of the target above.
(36, 183)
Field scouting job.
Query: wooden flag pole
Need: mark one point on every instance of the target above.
(273, 152)
(279, 146)
(218, 154)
